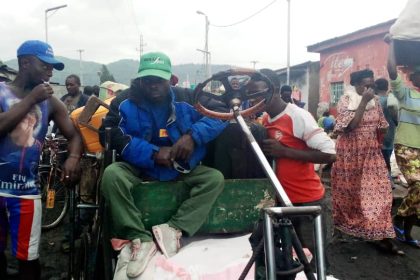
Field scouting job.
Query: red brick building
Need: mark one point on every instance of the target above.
(342, 55)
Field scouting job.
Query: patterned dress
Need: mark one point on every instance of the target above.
(361, 190)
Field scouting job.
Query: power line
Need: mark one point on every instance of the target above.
(247, 18)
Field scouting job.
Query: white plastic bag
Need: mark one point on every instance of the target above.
(407, 26)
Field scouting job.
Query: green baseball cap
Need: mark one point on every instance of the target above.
(155, 64)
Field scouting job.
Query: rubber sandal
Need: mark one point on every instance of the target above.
(399, 233)
(389, 247)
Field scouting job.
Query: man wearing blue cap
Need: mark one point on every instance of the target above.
(161, 139)
(26, 106)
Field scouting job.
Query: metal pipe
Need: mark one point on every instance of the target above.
(284, 199)
(294, 211)
(319, 243)
(270, 258)
(297, 245)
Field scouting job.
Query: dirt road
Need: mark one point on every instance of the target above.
(350, 260)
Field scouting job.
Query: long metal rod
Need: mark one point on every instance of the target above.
(294, 211)
(72, 232)
(319, 243)
(284, 199)
(270, 257)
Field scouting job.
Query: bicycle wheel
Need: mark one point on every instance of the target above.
(51, 217)
(85, 259)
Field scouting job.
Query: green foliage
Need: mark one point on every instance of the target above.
(105, 75)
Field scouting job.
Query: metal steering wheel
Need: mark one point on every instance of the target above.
(233, 98)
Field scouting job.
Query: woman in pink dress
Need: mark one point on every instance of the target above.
(361, 190)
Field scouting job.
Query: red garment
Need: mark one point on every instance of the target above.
(295, 128)
(361, 190)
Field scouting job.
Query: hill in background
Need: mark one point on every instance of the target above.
(123, 71)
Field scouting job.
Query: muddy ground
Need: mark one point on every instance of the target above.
(349, 259)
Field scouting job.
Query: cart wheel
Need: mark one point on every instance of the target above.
(51, 217)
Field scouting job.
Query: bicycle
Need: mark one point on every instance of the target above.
(55, 195)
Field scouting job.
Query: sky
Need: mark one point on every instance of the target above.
(109, 30)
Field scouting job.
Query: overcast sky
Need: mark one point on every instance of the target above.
(109, 30)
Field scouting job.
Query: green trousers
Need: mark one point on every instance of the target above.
(119, 178)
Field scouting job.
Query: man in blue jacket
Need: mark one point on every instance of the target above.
(161, 139)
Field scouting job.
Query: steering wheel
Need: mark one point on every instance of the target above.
(234, 96)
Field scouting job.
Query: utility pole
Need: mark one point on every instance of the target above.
(141, 45)
(254, 62)
(80, 65)
(206, 46)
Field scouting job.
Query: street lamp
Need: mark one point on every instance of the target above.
(206, 45)
(46, 19)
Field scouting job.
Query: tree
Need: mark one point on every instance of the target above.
(105, 75)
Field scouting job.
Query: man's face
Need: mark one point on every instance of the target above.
(38, 70)
(254, 87)
(235, 84)
(286, 96)
(156, 90)
(72, 86)
(365, 84)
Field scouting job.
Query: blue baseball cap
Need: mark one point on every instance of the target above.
(42, 51)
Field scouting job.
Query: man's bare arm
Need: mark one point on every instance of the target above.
(75, 144)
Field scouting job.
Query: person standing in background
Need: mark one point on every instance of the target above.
(390, 110)
(407, 148)
(361, 194)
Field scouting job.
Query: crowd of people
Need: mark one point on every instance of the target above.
(159, 135)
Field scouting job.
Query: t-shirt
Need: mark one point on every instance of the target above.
(297, 129)
(19, 163)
